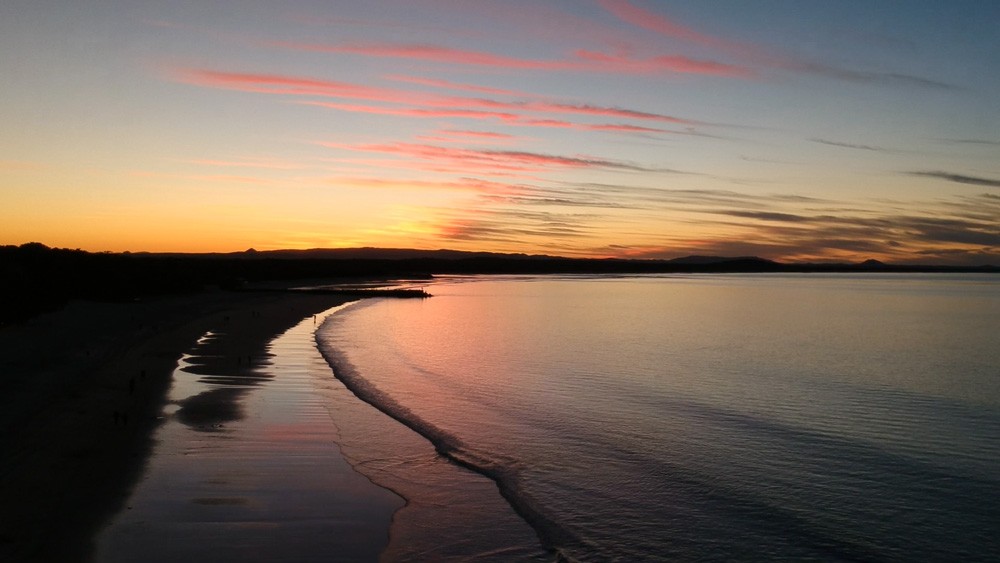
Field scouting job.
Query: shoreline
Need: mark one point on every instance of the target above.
(550, 535)
(458, 507)
(83, 389)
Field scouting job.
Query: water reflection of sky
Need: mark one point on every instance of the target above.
(250, 469)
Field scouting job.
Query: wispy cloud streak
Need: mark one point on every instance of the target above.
(466, 137)
(645, 19)
(581, 61)
(847, 145)
(425, 105)
(507, 118)
(753, 54)
(484, 161)
(861, 76)
(302, 86)
(959, 178)
(974, 142)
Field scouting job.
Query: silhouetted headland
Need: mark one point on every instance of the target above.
(398, 293)
(35, 278)
(82, 386)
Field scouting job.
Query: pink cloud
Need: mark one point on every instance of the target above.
(428, 163)
(540, 105)
(424, 52)
(557, 107)
(287, 85)
(626, 128)
(662, 64)
(451, 159)
(486, 160)
(476, 185)
(390, 101)
(639, 17)
(507, 118)
(462, 136)
(476, 134)
(583, 61)
(587, 109)
(300, 86)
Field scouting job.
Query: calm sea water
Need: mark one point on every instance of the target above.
(688, 418)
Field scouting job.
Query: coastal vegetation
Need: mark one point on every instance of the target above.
(35, 278)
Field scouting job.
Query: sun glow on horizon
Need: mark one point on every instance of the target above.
(607, 128)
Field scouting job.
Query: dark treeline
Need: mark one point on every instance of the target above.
(35, 278)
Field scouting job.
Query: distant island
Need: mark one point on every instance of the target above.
(35, 278)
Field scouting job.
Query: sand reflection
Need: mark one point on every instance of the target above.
(247, 466)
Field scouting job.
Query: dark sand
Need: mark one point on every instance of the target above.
(67, 462)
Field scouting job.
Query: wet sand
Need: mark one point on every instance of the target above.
(247, 466)
(81, 396)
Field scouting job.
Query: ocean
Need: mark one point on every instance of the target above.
(797, 417)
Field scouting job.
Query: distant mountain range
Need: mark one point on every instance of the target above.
(443, 256)
(36, 278)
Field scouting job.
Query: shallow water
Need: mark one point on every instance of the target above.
(247, 467)
(709, 418)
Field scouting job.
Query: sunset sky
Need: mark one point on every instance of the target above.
(805, 130)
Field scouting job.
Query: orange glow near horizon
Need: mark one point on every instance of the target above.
(615, 128)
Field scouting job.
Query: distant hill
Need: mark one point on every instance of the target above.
(36, 278)
(370, 253)
(872, 264)
(364, 253)
(697, 260)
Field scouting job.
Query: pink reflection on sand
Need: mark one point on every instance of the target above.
(253, 471)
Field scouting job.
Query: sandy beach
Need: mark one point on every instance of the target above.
(82, 394)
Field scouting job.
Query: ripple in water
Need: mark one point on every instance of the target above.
(696, 418)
